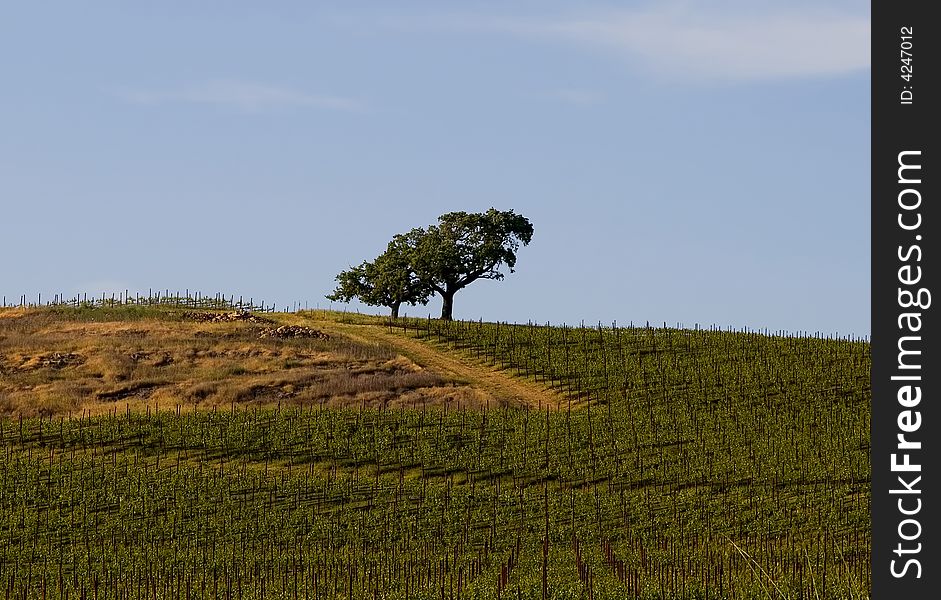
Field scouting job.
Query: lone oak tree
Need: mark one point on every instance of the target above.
(464, 247)
(389, 280)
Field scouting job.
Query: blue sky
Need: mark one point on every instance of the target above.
(691, 162)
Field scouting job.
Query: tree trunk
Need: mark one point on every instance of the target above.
(447, 305)
(395, 310)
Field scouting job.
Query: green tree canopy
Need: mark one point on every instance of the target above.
(464, 247)
(389, 280)
(444, 258)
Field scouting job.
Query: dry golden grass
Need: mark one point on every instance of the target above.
(72, 360)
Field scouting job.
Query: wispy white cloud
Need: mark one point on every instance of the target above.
(697, 40)
(245, 96)
(674, 42)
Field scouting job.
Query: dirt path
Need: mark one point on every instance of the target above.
(504, 387)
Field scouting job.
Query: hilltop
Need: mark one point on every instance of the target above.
(57, 361)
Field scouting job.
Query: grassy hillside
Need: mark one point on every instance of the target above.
(95, 360)
(635, 462)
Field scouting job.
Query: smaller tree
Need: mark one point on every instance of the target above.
(351, 284)
(388, 281)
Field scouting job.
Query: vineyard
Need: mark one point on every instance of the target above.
(664, 463)
(161, 298)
